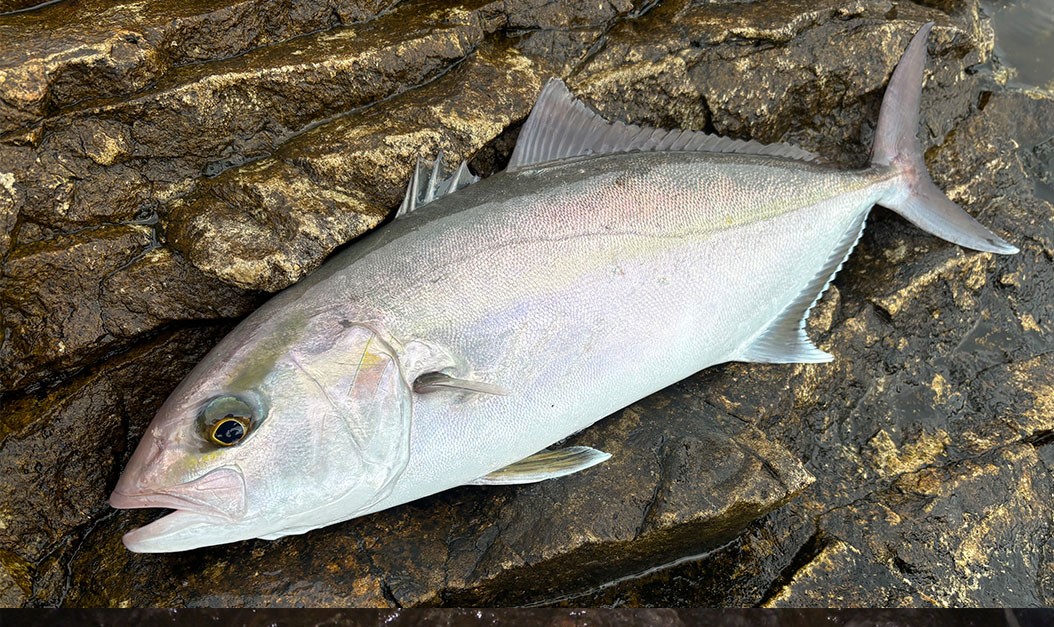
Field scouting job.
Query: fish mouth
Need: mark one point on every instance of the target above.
(203, 504)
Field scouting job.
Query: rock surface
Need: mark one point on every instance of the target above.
(162, 169)
(541, 617)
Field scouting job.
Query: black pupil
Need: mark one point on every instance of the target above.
(229, 431)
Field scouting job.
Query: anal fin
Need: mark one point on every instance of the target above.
(545, 465)
(784, 341)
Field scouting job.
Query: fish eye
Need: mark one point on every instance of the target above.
(228, 431)
(227, 420)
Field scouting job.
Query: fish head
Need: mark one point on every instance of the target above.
(272, 434)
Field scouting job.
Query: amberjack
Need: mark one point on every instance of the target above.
(493, 318)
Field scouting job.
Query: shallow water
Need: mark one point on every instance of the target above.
(1024, 38)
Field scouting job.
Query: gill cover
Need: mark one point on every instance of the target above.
(363, 443)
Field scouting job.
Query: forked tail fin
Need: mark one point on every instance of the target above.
(897, 145)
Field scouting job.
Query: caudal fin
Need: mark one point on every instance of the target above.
(896, 145)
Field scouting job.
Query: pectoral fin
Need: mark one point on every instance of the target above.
(545, 465)
(437, 381)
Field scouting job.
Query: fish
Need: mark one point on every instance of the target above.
(491, 319)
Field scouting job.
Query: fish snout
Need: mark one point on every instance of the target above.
(220, 492)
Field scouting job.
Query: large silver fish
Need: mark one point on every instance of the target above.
(456, 343)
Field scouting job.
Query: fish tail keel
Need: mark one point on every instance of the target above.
(896, 145)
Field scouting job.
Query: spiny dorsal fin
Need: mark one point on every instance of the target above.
(785, 341)
(426, 184)
(545, 465)
(562, 127)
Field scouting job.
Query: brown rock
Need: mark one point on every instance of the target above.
(62, 450)
(121, 160)
(64, 53)
(43, 323)
(342, 178)
(72, 298)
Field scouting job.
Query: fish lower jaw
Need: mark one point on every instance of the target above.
(192, 525)
(180, 530)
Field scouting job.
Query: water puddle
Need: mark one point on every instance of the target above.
(1024, 38)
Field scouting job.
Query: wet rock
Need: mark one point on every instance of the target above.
(9, 6)
(161, 163)
(115, 163)
(73, 298)
(235, 110)
(342, 178)
(63, 448)
(826, 572)
(37, 287)
(987, 510)
(709, 67)
(66, 53)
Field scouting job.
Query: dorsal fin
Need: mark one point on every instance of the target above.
(562, 127)
(426, 184)
(785, 341)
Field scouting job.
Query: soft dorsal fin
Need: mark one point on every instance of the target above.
(562, 127)
(426, 184)
(545, 465)
(784, 341)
